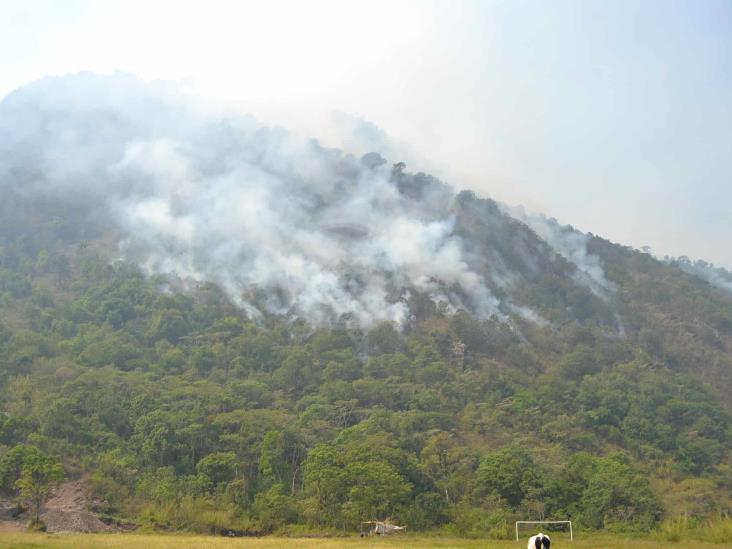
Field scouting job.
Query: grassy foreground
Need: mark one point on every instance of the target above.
(144, 541)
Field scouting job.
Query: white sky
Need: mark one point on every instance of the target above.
(612, 116)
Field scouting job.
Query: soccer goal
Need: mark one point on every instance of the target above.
(571, 534)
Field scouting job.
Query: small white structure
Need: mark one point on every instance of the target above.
(380, 528)
(571, 534)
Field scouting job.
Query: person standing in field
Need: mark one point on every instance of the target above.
(539, 541)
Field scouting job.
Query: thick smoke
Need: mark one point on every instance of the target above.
(281, 223)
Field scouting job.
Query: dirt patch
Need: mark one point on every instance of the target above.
(70, 496)
(8, 526)
(66, 510)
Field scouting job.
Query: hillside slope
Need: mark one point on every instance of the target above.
(231, 329)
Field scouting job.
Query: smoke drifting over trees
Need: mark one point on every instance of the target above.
(283, 224)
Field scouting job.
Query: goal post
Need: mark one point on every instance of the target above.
(571, 534)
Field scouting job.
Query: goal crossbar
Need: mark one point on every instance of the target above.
(571, 535)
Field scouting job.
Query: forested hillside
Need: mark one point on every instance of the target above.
(495, 367)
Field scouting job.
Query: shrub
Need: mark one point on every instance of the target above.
(36, 525)
(717, 530)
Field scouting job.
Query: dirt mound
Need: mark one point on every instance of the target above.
(66, 510)
(73, 521)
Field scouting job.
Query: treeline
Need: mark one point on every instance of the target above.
(188, 415)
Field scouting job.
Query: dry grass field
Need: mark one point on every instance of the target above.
(143, 541)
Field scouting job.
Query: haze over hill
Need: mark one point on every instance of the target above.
(585, 111)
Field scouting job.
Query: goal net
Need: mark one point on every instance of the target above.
(568, 522)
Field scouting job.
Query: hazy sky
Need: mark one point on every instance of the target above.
(613, 116)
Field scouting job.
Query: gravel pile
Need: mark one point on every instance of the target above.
(73, 521)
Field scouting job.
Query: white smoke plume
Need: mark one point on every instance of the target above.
(571, 245)
(282, 224)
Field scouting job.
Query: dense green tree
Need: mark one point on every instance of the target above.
(619, 498)
(218, 467)
(509, 473)
(39, 474)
